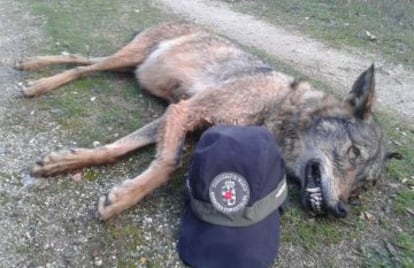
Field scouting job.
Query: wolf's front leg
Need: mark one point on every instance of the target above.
(171, 135)
(69, 160)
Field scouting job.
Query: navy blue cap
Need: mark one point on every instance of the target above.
(236, 186)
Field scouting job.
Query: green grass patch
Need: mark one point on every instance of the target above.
(403, 201)
(128, 235)
(305, 232)
(90, 174)
(375, 258)
(87, 27)
(92, 27)
(398, 252)
(119, 242)
(405, 244)
(346, 22)
(313, 234)
(401, 140)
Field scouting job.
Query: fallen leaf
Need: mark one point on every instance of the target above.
(76, 177)
(367, 216)
(143, 260)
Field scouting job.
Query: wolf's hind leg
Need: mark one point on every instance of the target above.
(38, 62)
(178, 121)
(130, 56)
(68, 160)
(43, 85)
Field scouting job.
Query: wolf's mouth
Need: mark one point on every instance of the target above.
(313, 192)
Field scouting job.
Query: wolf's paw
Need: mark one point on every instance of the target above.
(37, 87)
(114, 202)
(29, 64)
(56, 163)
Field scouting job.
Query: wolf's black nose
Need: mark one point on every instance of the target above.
(340, 211)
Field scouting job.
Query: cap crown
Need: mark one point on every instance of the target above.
(251, 152)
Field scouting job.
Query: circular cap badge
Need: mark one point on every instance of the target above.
(229, 192)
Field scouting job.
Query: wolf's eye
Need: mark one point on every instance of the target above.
(354, 153)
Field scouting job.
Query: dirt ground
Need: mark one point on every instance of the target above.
(49, 223)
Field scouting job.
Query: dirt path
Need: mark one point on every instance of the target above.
(337, 68)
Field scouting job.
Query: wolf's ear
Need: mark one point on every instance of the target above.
(361, 98)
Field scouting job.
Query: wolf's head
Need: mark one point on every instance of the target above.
(341, 151)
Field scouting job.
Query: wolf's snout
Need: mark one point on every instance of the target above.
(340, 210)
(314, 199)
(313, 173)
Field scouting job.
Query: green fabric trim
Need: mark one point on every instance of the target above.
(248, 216)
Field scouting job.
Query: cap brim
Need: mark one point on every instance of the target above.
(202, 244)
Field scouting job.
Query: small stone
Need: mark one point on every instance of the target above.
(30, 182)
(47, 246)
(96, 143)
(98, 262)
(148, 220)
(394, 185)
(411, 211)
(93, 99)
(370, 36)
(57, 111)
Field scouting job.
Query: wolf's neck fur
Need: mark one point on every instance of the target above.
(293, 116)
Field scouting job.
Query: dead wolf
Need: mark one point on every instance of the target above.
(332, 147)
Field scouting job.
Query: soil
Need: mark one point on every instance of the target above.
(52, 227)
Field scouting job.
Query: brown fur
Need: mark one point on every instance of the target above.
(207, 80)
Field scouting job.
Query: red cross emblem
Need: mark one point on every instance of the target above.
(228, 195)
